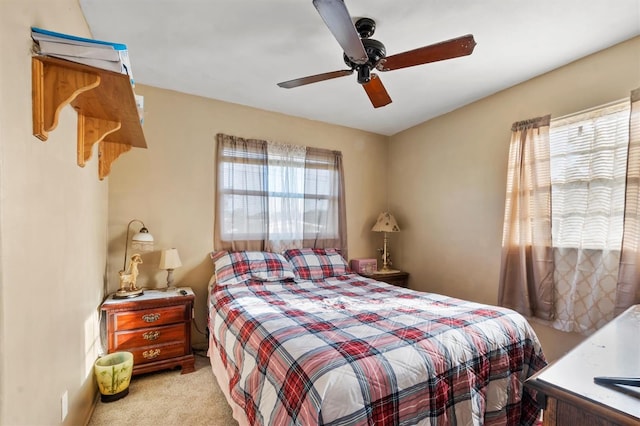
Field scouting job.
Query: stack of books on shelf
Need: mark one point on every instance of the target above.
(96, 53)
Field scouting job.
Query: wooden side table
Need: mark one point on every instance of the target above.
(155, 327)
(400, 278)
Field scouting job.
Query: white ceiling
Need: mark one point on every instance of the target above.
(238, 50)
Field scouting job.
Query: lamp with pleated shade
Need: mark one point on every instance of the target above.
(386, 223)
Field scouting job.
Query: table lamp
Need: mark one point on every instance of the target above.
(141, 241)
(170, 260)
(386, 223)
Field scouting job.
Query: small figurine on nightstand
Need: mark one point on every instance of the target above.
(128, 279)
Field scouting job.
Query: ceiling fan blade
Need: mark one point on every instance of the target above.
(376, 92)
(337, 18)
(449, 49)
(314, 78)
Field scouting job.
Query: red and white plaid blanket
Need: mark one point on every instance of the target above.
(352, 351)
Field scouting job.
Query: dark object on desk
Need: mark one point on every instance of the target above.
(627, 381)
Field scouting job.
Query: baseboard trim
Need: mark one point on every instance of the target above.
(92, 408)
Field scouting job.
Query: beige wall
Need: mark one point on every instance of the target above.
(170, 186)
(453, 169)
(53, 238)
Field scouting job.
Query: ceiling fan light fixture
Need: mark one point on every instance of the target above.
(364, 74)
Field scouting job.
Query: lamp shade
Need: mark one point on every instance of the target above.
(386, 223)
(169, 259)
(142, 240)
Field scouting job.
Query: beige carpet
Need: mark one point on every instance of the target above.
(169, 398)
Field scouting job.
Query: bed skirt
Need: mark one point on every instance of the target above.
(223, 381)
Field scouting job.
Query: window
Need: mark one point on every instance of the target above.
(588, 163)
(273, 196)
(572, 217)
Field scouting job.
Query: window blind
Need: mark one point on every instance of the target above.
(588, 166)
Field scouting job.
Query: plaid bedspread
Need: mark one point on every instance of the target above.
(353, 351)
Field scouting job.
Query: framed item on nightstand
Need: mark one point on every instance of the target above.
(364, 266)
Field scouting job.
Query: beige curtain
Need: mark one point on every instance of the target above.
(325, 211)
(243, 160)
(272, 196)
(628, 289)
(526, 279)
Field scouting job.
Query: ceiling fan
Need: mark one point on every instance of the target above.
(364, 54)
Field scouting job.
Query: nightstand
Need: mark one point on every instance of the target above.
(400, 278)
(155, 327)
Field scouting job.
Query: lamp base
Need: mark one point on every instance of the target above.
(126, 294)
(170, 286)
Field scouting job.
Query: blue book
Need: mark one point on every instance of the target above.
(41, 34)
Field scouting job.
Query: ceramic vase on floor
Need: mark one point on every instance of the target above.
(113, 374)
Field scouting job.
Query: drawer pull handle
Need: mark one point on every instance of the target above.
(151, 354)
(150, 317)
(151, 335)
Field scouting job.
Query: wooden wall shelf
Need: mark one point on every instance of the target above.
(104, 101)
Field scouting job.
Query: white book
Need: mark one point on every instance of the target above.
(116, 66)
(96, 51)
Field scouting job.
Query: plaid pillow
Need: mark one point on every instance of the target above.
(240, 266)
(316, 264)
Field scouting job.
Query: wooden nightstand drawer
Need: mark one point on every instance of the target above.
(157, 353)
(149, 317)
(149, 336)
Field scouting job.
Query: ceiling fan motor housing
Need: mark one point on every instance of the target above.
(375, 53)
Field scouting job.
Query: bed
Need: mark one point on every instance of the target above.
(297, 339)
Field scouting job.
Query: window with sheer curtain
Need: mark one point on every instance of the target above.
(571, 236)
(274, 196)
(588, 164)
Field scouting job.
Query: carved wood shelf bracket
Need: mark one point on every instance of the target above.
(108, 153)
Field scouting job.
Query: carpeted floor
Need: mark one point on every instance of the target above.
(169, 398)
